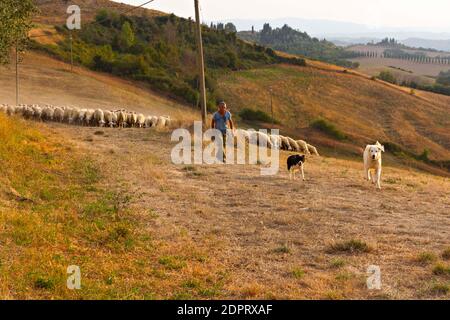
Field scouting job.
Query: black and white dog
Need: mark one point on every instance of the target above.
(295, 163)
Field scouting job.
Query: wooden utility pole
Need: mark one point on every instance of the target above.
(71, 52)
(201, 63)
(271, 106)
(17, 75)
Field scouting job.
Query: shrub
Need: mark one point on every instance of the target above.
(254, 115)
(328, 128)
(351, 246)
(426, 257)
(387, 76)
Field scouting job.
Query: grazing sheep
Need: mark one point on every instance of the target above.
(264, 140)
(132, 119)
(285, 143)
(161, 123)
(122, 119)
(154, 121)
(276, 141)
(58, 114)
(68, 115)
(294, 145)
(313, 150)
(89, 117)
(168, 121)
(37, 112)
(303, 146)
(260, 138)
(28, 112)
(148, 122)
(47, 113)
(80, 117)
(10, 110)
(109, 118)
(99, 118)
(140, 120)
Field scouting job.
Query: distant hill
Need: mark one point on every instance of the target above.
(292, 41)
(443, 45)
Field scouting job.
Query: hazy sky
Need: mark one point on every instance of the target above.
(433, 15)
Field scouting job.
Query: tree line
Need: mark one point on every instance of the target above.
(402, 55)
(292, 41)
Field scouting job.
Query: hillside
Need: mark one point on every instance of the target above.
(44, 80)
(288, 40)
(139, 227)
(154, 233)
(407, 64)
(363, 109)
(53, 12)
(157, 50)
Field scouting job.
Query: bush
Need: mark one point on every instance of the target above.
(328, 128)
(387, 76)
(254, 115)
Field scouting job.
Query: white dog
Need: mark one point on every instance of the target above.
(372, 163)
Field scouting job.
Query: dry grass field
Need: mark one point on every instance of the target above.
(139, 227)
(364, 109)
(142, 228)
(424, 73)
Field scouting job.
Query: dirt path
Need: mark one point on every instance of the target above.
(274, 236)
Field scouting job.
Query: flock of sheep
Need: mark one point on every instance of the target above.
(86, 117)
(123, 118)
(278, 142)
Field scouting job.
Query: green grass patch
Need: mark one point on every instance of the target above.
(298, 273)
(441, 269)
(337, 263)
(328, 128)
(255, 115)
(446, 254)
(172, 262)
(351, 246)
(426, 257)
(440, 289)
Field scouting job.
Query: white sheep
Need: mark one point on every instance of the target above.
(276, 141)
(89, 117)
(10, 110)
(313, 150)
(58, 114)
(303, 146)
(140, 120)
(109, 118)
(81, 115)
(99, 118)
(294, 145)
(37, 112)
(122, 118)
(285, 143)
(47, 113)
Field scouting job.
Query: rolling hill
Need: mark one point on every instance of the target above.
(365, 110)
(140, 227)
